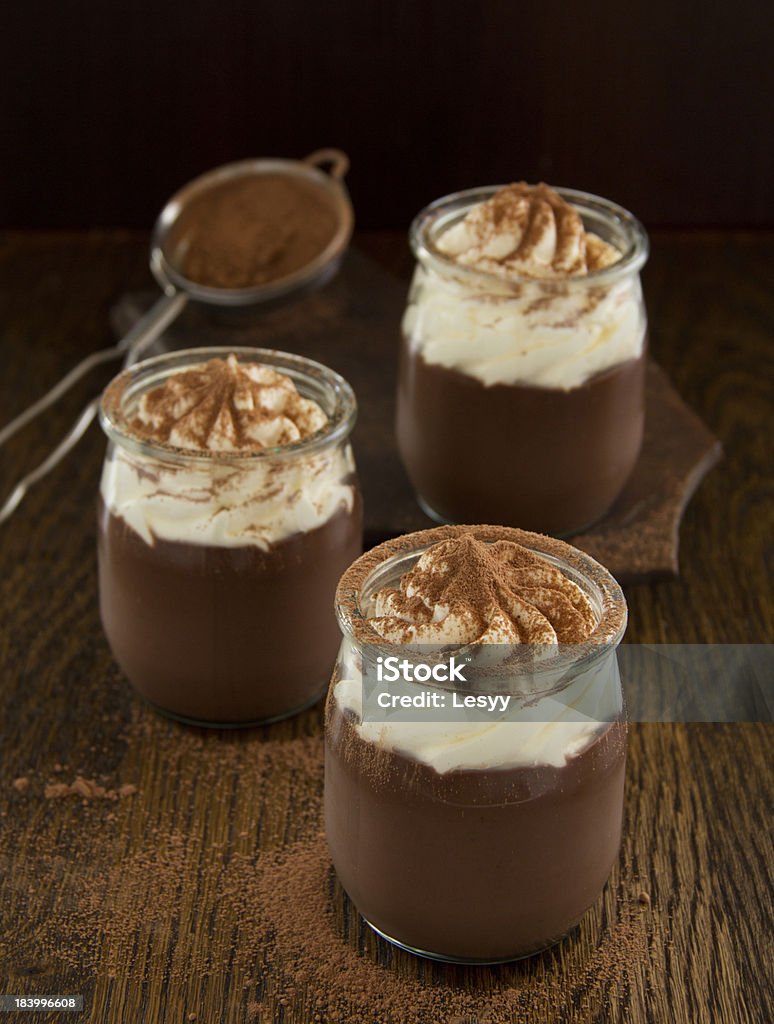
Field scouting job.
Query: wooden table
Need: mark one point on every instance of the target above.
(124, 900)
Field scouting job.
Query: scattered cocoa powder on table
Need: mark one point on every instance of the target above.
(315, 968)
(272, 924)
(87, 789)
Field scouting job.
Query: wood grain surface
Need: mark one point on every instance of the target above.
(162, 905)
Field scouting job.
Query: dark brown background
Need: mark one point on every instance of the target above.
(665, 106)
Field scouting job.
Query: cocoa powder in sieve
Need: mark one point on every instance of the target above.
(252, 230)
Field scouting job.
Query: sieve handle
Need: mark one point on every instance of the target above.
(141, 336)
(336, 158)
(68, 442)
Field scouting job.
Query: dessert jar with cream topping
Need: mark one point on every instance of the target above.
(522, 364)
(229, 507)
(483, 834)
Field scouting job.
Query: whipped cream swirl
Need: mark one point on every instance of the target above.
(224, 405)
(227, 406)
(464, 590)
(537, 318)
(526, 231)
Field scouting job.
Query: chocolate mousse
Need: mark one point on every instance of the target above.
(550, 461)
(521, 386)
(228, 509)
(482, 840)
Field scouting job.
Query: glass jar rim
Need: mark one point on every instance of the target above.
(604, 588)
(141, 376)
(442, 213)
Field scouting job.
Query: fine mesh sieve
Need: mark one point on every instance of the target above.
(167, 258)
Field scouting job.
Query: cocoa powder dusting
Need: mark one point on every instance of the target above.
(225, 405)
(528, 211)
(565, 607)
(493, 590)
(529, 230)
(252, 230)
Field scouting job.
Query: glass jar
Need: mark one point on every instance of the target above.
(521, 401)
(217, 569)
(486, 837)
